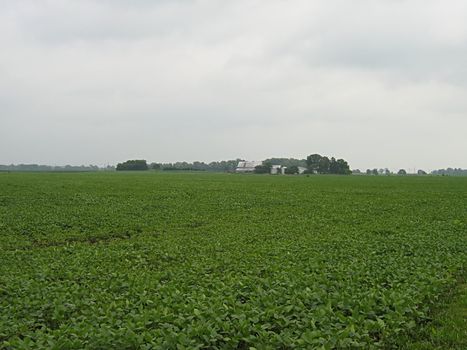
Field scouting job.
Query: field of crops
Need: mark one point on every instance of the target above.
(214, 261)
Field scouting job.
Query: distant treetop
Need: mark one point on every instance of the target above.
(45, 168)
(318, 164)
(135, 164)
(450, 171)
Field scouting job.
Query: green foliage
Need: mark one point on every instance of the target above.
(326, 167)
(66, 168)
(312, 163)
(292, 170)
(157, 260)
(221, 166)
(450, 171)
(448, 328)
(137, 164)
(263, 169)
(318, 164)
(155, 166)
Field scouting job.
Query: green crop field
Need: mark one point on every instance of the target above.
(223, 261)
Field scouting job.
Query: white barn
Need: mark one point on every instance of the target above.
(247, 167)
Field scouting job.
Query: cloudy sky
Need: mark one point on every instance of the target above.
(381, 83)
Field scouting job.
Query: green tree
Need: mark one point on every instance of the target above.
(291, 170)
(324, 165)
(343, 167)
(262, 169)
(312, 163)
(402, 172)
(135, 164)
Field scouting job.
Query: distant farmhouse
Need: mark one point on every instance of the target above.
(247, 167)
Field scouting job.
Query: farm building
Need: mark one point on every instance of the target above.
(278, 169)
(247, 167)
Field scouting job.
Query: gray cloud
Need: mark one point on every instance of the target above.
(381, 83)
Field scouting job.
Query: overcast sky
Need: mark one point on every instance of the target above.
(380, 83)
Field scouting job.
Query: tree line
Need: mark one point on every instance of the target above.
(221, 166)
(133, 164)
(216, 166)
(50, 168)
(387, 172)
(314, 164)
(450, 171)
